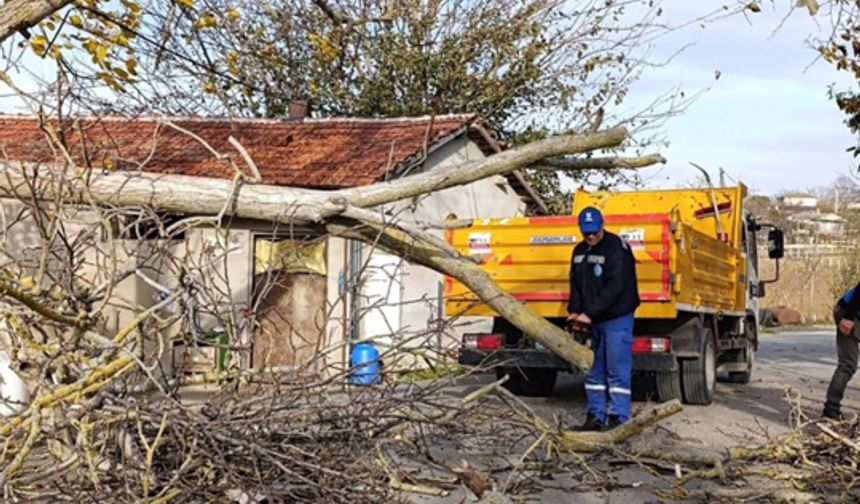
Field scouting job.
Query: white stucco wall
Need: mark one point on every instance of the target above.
(419, 288)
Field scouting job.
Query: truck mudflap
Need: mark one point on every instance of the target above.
(655, 362)
(535, 358)
(525, 358)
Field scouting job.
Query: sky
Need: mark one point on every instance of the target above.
(767, 120)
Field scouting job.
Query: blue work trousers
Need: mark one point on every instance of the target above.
(607, 385)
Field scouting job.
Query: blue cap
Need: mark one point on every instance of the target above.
(590, 220)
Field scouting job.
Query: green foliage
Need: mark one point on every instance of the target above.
(529, 67)
(842, 50)
(500, 59)
(435, 371)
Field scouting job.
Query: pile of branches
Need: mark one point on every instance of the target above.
(817, 460)
(294, 440)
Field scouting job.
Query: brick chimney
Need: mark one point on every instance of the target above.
(298, 110)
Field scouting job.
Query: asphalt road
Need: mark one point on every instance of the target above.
(798, 363)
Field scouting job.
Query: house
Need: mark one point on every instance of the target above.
(288, 295)
(814, 226)
(795, 202)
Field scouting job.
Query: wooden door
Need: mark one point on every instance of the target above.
(290, 316)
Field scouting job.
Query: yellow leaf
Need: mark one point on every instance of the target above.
(133, 7)
(131, 66)
(210, 88)
(76, 20)
(207, 20)
(101, 54)
(120, 40)
(811, 5)
(122, 74)
(57, 292)
(233, 15)
(185, 3)
(323, 45)
(39, 44)
(107, 163)
(753, 7)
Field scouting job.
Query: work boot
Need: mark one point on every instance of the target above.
(592, 423)
(831, 414)
(612, 422)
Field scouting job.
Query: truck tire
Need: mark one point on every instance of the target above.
(668, 385)
(749, 358)
(699, 375)
(529, 382)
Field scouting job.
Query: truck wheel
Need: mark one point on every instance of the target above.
(749, 357)
(529, 382)
(668, 385)
(699, 375)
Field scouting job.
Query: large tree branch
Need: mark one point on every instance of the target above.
(471, 275)
(196, 195)
(599, 163)
(504, 162)
(19, 15)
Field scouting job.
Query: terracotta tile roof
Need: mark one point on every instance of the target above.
(320, 153)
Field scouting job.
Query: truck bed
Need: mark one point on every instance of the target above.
(683, 262)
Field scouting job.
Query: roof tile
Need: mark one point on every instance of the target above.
(311, 153)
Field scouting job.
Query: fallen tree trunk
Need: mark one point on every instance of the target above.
(341, 213)
(471, 275)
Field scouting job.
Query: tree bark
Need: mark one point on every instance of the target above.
(600, 163)
(18, 15)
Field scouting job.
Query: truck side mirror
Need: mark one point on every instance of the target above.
(775, 243)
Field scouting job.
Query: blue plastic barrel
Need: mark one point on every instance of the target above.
(364, 362)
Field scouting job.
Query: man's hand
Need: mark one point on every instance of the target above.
(846, 326)
(585, 319)
(572, 317)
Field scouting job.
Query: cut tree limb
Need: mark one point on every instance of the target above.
(20, 15)
(588, 442)
(497, 164)
(599, 163)
(596, 441)
(472, 276)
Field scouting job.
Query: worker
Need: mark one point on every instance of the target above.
(604, 294)
(845, 315)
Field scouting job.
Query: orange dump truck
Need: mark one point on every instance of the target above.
(697, 268)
